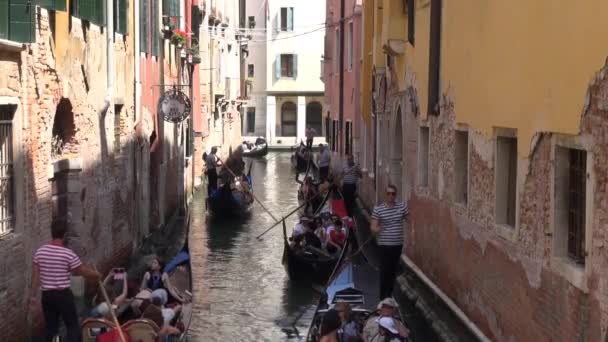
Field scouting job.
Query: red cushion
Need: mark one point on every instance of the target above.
(112, 336)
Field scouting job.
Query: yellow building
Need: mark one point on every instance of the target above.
(490, 116)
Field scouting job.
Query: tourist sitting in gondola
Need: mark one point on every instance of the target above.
(349, 328)
(153, 282)
(116, 288)
(387, 308)
(336, 237)
(157, 311)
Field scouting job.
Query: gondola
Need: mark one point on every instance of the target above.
(301, 159)
(227, 201)
(140, 329)
(310, 264)
(260, 149)
(349, 283)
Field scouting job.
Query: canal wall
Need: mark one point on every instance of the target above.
(430, 314)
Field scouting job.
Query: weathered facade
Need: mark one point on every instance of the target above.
(342, 78)
(66, 152)
(80, 133)
(499, 149)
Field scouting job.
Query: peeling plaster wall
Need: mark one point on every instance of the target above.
(507, 282)
(102, 225)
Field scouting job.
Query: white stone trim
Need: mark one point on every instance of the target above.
(576, 274)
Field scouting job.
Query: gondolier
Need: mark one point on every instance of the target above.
(310, 135)
(350, 177)
(387, 225)
(212, 162)
(52, 265)
(324, 162)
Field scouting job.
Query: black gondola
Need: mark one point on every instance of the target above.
(227, 202)
(350, 283)
(143, 329)
(301, 159)
(260, 149)
(308, 263)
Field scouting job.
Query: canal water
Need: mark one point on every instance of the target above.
(242, 292)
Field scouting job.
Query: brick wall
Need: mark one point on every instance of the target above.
(101, 211)
(508, 284)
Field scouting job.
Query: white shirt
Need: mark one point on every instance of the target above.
(324, 158)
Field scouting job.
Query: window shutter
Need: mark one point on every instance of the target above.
(122, 16)
(3, 19)
(58, 5)
(277, 67)
(86, 9)
(21, 21)
(295, 66)
(100, 12)
(155, 28)
(144, 30)
(289, 18)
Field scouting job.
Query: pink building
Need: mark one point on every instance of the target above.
(341, 75)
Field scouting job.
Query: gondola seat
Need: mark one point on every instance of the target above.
(92, 327)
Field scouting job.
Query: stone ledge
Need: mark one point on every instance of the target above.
(9, 45)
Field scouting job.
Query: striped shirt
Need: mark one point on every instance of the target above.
(351, 174)
(55, 264)
(390, 220)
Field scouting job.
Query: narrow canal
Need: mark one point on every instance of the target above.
(242, 291)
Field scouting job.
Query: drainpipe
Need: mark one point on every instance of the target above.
(137, 121)
(341, 86)
(109, 57)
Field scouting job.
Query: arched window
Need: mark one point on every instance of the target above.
(314, 117)
(289, 119)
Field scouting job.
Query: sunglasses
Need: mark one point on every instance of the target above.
(391, 193)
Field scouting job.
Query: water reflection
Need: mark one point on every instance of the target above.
(244, 293)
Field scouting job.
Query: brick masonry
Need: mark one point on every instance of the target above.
(101, 208)
(507, 284)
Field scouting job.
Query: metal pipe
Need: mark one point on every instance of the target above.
(109, 57)
(341, 86)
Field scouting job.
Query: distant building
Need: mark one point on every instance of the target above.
(284, 87)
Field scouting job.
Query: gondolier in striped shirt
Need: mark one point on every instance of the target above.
(53, 264)
(387, 225)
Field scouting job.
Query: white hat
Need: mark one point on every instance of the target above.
(388, 301)
(388, 323)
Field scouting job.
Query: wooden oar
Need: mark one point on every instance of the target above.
(277, 223)
(107, 299)
(254, 197)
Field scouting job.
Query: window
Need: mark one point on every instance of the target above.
(334, 138)
(144, 29)
(461, 172)
(155, 27)
(434, 57)
(90, 10)
(314, 117)
(348, 138)
(117, 127)
(506, 180)
(251, 21)
(7, 202)
(571, 203)
(411, 20)
(171, 11)
(17, 21)
(287, 19)
(120, 16)
(289, 119)
(57, 5)
(250, 120)
(248, 86)
(287, 66)
(349, 50)
(250, 70)
(328, 129)
(423, 157)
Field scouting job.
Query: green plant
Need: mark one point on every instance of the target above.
(178, 37)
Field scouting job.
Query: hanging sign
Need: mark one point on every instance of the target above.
(174, 106)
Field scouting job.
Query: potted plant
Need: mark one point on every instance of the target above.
(196, 54)
(169, 24)
(178, 38)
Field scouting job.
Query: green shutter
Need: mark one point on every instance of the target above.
(100, 11)
(86, 9)
(144, 30)
(58, 5)
(21, 21)
(3, 19)
(120, 13)
(155, 28)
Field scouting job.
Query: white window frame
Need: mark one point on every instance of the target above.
(349, 40)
